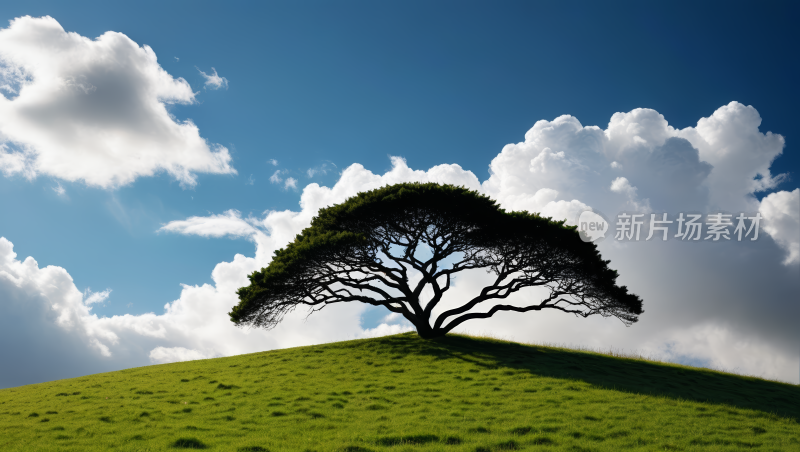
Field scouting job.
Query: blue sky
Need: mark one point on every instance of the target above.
(325, 85)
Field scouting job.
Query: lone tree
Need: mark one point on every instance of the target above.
(386, 246)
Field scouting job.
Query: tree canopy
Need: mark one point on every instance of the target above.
(385, 247)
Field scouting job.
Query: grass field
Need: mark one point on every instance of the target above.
(401, 393)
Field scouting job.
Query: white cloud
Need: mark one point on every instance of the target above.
(95, 297)
(622, 186)
(729, 140)
(289, 182)
(272, 162)
(545, 201)
(391, 317)
(228, 224)
(781, 213)
(15, 162)
(51, 286)
(720, 163)
(213, 81)
(60, 191)
(94, 110)
(276, 177)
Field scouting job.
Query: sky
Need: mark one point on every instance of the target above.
(153, 154)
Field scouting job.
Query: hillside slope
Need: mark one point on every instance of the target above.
(401, 393)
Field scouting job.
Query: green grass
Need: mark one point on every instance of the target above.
(401, 393)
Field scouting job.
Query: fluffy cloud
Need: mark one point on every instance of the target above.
(228, 224)
(726, 304)
(622, 186)
(781, 212)
(639, 162)
(94, 110)
(729, 140)
(289, 182)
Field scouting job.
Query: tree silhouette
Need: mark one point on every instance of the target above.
(386, 246)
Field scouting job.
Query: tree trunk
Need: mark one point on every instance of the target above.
(426, 332)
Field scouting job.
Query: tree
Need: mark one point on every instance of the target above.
(386, 246)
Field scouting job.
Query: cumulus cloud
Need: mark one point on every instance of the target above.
(729, 140)
(724, 304)
(94, 110)
(59, 301)
(213, 81)
(781, 213)
(622, 186)
(719, 165)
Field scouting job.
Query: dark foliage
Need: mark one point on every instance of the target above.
(368, 248)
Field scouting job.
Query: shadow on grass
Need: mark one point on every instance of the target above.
(620, 374)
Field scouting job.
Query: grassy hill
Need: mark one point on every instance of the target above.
(401, 393)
